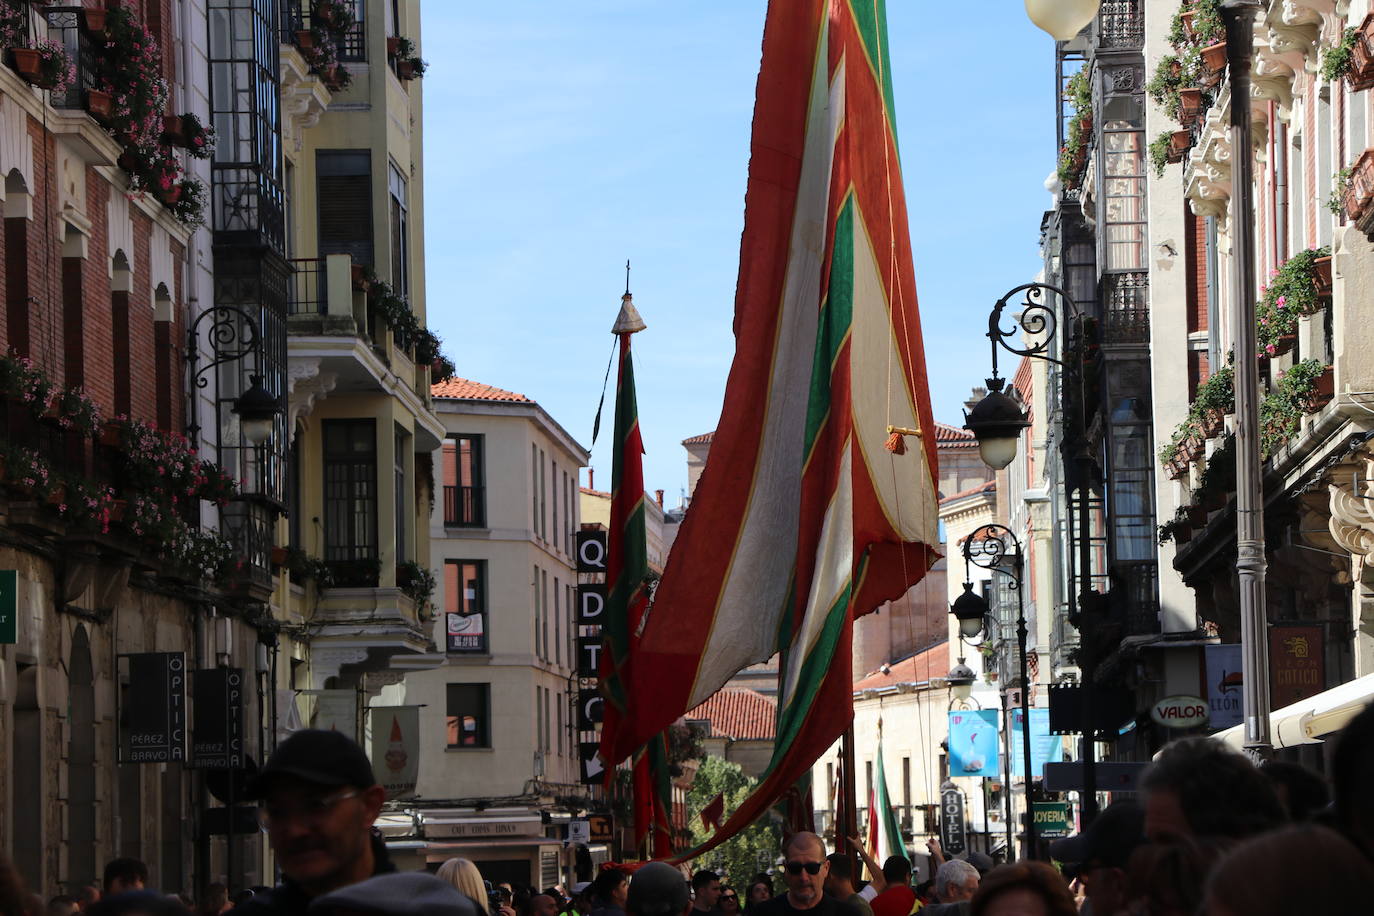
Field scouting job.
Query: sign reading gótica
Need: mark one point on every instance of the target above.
(1051, 819)
(1181, 712)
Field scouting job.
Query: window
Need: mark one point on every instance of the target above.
(468, 712)
(543, 497)
(534, 490)
(399, 461)
(1123, 190)
(558, 709)
(344, 179)
(538, 651)
(554, 475)
(544, 604)
(350, 491)
(465, 605)
(557, 621)
(464, 496)
(400, 244)
(354, 43)
(570, 522)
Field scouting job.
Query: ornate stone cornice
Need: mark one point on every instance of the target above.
(306, 384)
(1352, 514)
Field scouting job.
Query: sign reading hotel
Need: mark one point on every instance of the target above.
(1297, 663)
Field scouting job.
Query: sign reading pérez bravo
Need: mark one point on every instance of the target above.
(155, 712)
(217, 731)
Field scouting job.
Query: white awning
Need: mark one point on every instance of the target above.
(1309, 721)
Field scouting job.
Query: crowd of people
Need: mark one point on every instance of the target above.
(1210, 833)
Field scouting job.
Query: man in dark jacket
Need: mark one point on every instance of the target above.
(318, 801)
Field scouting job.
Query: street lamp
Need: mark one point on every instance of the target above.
(1063, 19)
(257, 412)
(960, 678)
(996, 422)
(994, 548)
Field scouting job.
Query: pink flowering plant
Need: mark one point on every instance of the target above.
(14, 23)
(58, 70)
(27, 471)
(87, 505)
(77, 411)
(336, 16)
(131, 72)
(23, 382)
(1290, 293)
(200, 137)
(189, 206)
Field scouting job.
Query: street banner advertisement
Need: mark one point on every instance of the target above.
(973, 743)
(466, 632)
(217, 730)
(1044, 746)
(156, 710)
(953, 831)
(336, 711)
(1297, 664)
(1222, 685)
(396, 749)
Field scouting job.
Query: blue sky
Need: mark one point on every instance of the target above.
(563, 138)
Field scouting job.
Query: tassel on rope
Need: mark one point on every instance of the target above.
(896, 441)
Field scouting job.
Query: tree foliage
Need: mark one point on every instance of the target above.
(752, 850)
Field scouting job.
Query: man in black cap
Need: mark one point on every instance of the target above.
(657, 889)
(1101, 853)
(319, 798)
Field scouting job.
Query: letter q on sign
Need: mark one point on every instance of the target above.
(591, 551)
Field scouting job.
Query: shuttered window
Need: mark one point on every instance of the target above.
(344, 178)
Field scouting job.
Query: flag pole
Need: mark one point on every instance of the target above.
(850, 827)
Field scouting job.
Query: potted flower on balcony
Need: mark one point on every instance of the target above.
(1308, 384)
(100, 105)
(189, 204)
(1337, 60)
(132, 75)
(200, 137)
(1215, 398)
(411, 69)
(335, 15)
(1361, 72)
(46, 65)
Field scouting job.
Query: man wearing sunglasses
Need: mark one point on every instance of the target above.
(805, 871)
(319, 798)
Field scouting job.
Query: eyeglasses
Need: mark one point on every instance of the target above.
(310, 809)
(812, 868)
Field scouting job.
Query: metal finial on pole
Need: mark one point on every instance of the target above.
(628, 321)
(627, 276)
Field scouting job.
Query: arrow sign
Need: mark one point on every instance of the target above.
(592, 769)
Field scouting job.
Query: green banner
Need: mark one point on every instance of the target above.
(9, 606)
(1052, 820)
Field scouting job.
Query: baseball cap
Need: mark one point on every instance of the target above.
(1108, 841)
(981, 861)
(657, 889)
(581, 886)
(398, 894)
(326, 758)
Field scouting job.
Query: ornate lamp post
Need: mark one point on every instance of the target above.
(995, 548)
(996, 422)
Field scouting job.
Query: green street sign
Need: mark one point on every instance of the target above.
(9, 606)
(1052, 819)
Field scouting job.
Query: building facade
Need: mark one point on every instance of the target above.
(499, 769)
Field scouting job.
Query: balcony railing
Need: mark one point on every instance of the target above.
(1127, 314)
(1121, 25)
(1138, 584)
(64, 28)
(308, 293)
(464, 506)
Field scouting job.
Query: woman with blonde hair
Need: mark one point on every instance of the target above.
(463, 875)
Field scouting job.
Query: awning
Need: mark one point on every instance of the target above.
(1309, 721)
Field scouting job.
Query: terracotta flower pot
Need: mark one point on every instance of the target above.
(93, 20)
(1186, 18)
(305, 38)
(393, 46)
(1189, 105)
(1183, 535)
(1322, 280)
(1284, 344)
(100, 105)
(1179, 142)
(1214, 58)
(173, 130)
(1213, 422)
(127, 161)
(117, 509)
(171, 195)
(110, 436)
(278, 556)
(56, 496)
(1322, 392)
(360, 281)
(29, 65)
(405, 70)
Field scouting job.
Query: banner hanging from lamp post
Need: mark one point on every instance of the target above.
(973, 743)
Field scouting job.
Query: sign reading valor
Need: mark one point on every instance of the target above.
(1180, 712)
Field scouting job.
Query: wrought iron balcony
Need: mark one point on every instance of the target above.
(1126, 319)
(64, 28)
(465, 506)
(308, 292)
(1120, 25)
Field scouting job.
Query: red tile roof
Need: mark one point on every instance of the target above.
(989, 487)
(739, 713)
(703, 439)
(590, 492)
(954, 437)
(464, 390)
(914, 669)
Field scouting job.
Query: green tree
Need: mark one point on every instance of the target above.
(752, 850)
